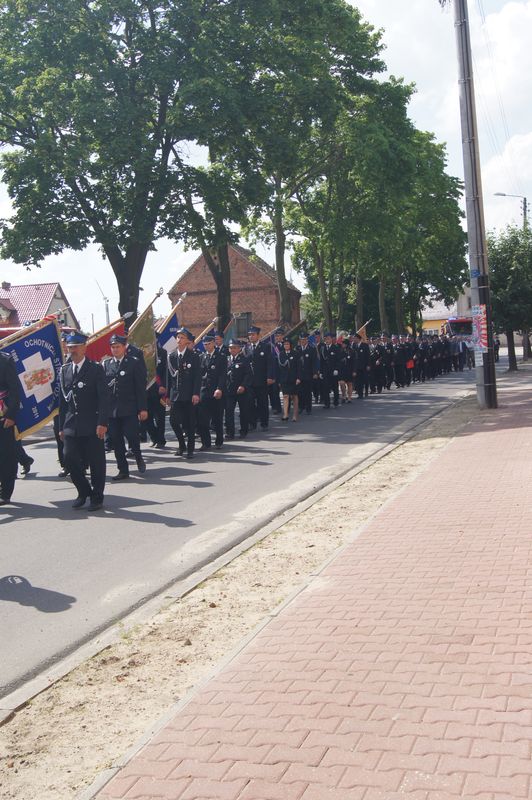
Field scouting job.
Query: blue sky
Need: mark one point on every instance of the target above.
(420, 46)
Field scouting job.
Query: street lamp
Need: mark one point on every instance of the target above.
(524, 204)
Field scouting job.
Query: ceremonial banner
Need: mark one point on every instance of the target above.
(166, 333)
(142, 334)
(38, 357)
(98, 346)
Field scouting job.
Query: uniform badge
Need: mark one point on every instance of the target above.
(122, 372)
(81, 385)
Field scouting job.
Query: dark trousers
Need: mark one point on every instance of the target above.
(274, 395)
(211, 412)
(316, 389)
(400, 377)
(305, 396)
(183, 422)
(82, 450)
(389, 375)
(243, 406)
(330, 384)
(259, 406)
(8, 461)
(121, 428)
(156, 422)
(361, 376)
(378, 379)
(58, 441)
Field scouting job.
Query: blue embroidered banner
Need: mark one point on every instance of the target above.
(38, 358)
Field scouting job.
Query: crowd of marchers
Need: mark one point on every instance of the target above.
(108, 407)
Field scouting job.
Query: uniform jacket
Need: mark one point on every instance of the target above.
(260, 356)
(310, 362)
(213, 373)
(84, 403)
(127, 385)
(9, 386)
(330, 358)
(184, 375)
(362, 354)
(239, 373)
(289, 367)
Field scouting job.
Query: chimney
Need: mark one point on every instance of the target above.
(6, 286)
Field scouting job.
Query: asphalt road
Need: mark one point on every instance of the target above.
(78, 572)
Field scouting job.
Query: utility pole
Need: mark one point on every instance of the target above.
(476, 231)
(106, 303)
(524, 205)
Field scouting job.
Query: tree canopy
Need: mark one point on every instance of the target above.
(300, 141)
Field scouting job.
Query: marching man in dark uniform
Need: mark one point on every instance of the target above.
(260, 356)
(310, 367)
(126, 378)
(238, 387)
(219, 343)
(212, 397)
(9, 405)
(330, 362)
(361, 364)
(83, 420)
(184, 369)
(156, 398)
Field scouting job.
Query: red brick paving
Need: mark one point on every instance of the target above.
(402, 671)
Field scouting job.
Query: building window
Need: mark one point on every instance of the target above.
(243, 322)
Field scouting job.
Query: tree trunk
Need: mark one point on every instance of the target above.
(280, 249)
(398, 297)
(340, 302)
(512, 360)
(325, 302)
(128, 272)
(382, 307)
(223, 305)
(527, 354)
(359, 313)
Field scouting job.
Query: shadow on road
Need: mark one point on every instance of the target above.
(111, 509)
(16, 589)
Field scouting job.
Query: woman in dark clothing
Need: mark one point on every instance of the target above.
(290, 378)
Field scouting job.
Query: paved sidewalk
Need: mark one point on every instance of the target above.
(402, 671)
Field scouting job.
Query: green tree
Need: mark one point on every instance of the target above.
(324, 55)
(89, 116)
(510, 262)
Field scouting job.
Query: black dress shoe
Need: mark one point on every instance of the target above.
(62, 474)
(180, 451)
(95, 505)
(4, 502)
(190, 455)
(141, 464)
(205, 447)
(79, 502)
(218, 445)
(27, 466)
(122, 476)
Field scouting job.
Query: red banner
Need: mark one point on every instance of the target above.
(98, 344)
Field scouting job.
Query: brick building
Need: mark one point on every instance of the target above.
(254, 294)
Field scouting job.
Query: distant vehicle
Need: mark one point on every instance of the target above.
(458, 326)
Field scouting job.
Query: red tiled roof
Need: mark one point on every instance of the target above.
(31, 302)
